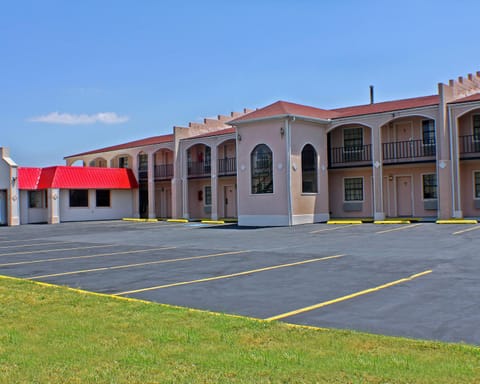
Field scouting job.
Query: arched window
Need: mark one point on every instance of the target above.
(262, 169)
(309, 169)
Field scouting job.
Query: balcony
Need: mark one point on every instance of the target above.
(142, 173)
(350, 156)
(469, 146)
(199, 169)
(227, 166)
(163, 171)
(408, 151)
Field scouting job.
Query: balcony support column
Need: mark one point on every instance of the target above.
(377, 173)
(136, 191)
(214, 182)
(185, 213)
(151, 186)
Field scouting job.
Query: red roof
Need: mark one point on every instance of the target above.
(64, 177)
(214, 133)
(284, 108)
(131, 144)
(387, 106)
(475, 97)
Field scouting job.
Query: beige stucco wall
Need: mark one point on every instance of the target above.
(254, 209)
(467, 182)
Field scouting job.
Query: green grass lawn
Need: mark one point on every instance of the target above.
(55, 335)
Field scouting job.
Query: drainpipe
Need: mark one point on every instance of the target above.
(454, 173)
(289, 170)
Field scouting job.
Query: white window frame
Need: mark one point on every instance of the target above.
(423, 187)
(363, 189)
(473, 184)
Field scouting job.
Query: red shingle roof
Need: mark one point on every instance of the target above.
(132, 144)
(284, 108)
(475, 97)
(63, 177)
(387, 106)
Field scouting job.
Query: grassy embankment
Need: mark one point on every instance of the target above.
(54, 335)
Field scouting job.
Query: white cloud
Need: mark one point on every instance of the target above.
(71, 119)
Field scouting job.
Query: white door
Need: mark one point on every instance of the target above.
(230, 208)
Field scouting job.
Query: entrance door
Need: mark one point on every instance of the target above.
(404, 136)
(404, 196)
(230, 208)
(3, 208)
(168, 202)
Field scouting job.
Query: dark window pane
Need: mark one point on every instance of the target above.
(78, 198)
(103, 197)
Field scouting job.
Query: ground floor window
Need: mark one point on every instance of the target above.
(103, 197)
(353, 188)
(208, 195)
(262, 169)
(429, 186)
(78, 198)
(477, 184)
(37, 199)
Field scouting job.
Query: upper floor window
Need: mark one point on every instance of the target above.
(476, 127)
(309, 169)
(123, 162)
(353, 188)
(428, 132)
(262, 169)
(353, 138)
(142, 162)
(429, 186)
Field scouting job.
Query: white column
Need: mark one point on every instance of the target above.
(13, 211)
(53, 196)
(377, 172)
(151, 186)
(214, 181)
(136, 191)
(185, 208)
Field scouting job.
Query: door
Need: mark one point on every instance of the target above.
(404, 137)
(404, 196)
(230, 208)
(168, 202)
(3, 208)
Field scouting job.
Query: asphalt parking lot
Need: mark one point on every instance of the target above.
(414, 280)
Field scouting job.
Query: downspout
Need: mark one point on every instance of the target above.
(289, 170)
(455, 176)
(452, 176)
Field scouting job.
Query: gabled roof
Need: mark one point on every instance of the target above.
(64, 177)
(283, 109)
(474, 97)
(214, 133)
(387, 106)
(131, 144)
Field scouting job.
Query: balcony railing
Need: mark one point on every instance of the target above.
(199, 168)
(227, 166)
(348, 156)
(408, 151)
(163, 171)
(469, 145)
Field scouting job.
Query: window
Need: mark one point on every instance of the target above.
(262, 169)
(103, 197)
(353, 188)
(142, 162)
(428, 137)
(123, 162)
(430, 186)
(352, 144)
(477, 185)
(309, 169)
(78, 198)
(208, 195)
(476, 127)
(37, 199)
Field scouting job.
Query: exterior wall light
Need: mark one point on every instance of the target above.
(282, 131)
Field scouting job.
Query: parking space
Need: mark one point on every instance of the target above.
(414, 280)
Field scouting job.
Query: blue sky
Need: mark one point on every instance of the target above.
(76, 76)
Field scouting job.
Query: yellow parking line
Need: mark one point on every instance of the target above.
(466, 230)
(84, 257)
(227, 276)
(400, 228)
(347, 297)
(139, 264)
(56, 250)
(333, 229)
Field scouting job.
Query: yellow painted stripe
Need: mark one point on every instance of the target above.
(457, 221)
(399, 229)
(228, 276)
(347, 297)
(344, 222)
(55, 250)
(84, 256)
(392, 222)
(177, 221)
(139, 264)
(213, 221)
(466, 230)
(333, 229)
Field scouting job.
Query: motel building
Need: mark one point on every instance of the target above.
(283, 164)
